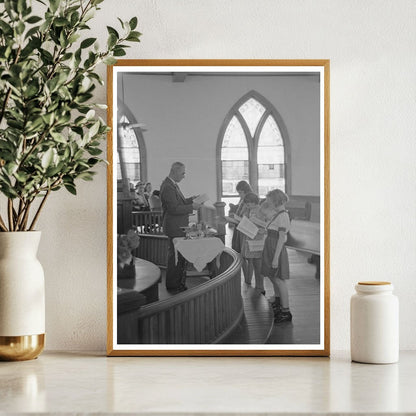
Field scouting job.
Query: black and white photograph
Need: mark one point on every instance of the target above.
(218, 208)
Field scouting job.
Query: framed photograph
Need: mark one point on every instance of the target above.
(218, 208)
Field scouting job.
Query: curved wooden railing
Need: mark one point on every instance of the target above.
(204, 314)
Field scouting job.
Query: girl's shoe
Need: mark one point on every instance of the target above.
(276, 307)
(283, 317)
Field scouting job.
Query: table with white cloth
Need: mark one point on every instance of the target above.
(200, 251)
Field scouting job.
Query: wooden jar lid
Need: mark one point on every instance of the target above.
(374, 283)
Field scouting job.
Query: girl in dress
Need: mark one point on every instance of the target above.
(243, 188)
(252, 254)
(275, 261)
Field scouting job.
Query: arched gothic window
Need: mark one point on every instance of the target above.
(128, 153)
(131, 151)
(252, 146)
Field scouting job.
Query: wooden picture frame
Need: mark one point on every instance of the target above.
(188, 107)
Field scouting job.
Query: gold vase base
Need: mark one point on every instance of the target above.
(21, 348)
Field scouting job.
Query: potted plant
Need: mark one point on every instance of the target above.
(50, 136)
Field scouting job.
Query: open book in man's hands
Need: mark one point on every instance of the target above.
(200, 199)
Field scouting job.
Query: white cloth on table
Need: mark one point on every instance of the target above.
(199, 251)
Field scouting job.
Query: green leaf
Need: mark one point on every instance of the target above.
(94, 129)
(34, 19)
(21, 176)
(35, 125)
(119, 51)
(21, 5)
(54, 4)
(94, 151)
(61, 21)
(58, 137)
(47, 158)
(112, 31)
(70, 188)
(10, 8)
(52, 171)
(74, 18)
(133, 38)
(11, 168)
(20, 28)
(87, 42)
(7, 30)
(88, 16)
(86, 176)
(133, 23)
(123, 24)
(73, 38)
(48, 118)
(110, 60)
(112, 41)
(90, 114)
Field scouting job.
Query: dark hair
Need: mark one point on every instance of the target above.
(251, 197)
(243, 186)
(156, 192)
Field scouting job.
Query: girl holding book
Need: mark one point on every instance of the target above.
(251, 249)
(275, 261)
(243, 188)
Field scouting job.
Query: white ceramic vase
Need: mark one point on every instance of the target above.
(22, 296)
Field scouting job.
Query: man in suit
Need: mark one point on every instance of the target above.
(176, 210)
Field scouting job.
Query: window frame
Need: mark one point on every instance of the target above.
(124, 110)
(252, 145)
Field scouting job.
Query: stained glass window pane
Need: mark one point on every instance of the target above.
(129, 151)
(234, 157)
(233, 171)
(270, 158)
(252, 111)
(234, 139)
(119, 175)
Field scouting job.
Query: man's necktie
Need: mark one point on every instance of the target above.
(180, 192)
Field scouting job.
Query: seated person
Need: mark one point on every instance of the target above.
(147, 190)
(140, 202)
(154, 201)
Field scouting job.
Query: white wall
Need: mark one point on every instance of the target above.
(183, 121)
(373, 198)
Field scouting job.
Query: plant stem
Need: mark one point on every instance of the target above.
(10, 214)
(20, 213)
(32, 225)
(26, 216)
(2, 225)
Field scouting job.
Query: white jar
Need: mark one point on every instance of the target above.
(374, 323)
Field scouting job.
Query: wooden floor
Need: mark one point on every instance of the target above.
(257, 323)
(257, 327)
(304, 300)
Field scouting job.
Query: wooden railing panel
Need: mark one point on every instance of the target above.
(198, 316)
(153, 248)
(147, 222)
